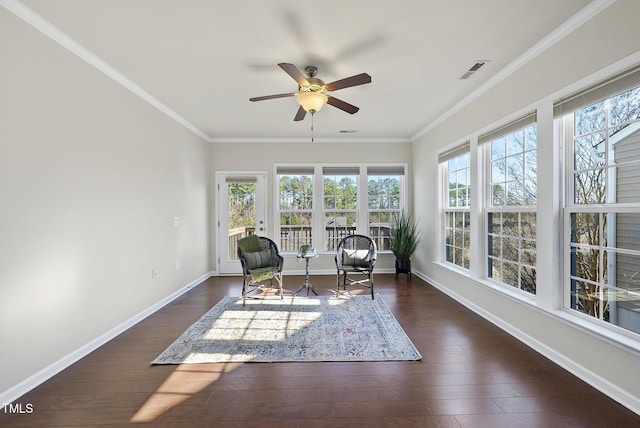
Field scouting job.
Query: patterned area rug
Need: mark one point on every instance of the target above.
(349, 328)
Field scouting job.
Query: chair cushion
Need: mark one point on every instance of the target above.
(260, 274)
(249, 244)
(355, 258)
(258, 259)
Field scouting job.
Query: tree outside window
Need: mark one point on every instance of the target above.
(340, 201)
(511, 211)
(384, 203)
(457, 214)
(605, 200)
(295, 211)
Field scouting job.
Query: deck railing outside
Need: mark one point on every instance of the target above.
(235, 235)
(292, 237)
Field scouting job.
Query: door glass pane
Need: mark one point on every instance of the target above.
(242, 214)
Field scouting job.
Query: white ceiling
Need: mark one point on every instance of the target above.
(201, 60)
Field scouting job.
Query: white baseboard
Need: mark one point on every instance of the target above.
(48, 372)
(315, 272)
(603, 385)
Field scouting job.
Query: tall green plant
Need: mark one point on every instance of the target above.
(404, 237)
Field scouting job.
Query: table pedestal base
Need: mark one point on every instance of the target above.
(306, 283)
(308, 286)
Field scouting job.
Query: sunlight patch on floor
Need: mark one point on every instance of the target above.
(180, 386)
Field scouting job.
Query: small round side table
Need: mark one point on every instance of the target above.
(309, 254)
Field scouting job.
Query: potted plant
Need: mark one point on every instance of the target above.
(403, 240)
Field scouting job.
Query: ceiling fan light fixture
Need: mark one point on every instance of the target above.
(311, 93)
(311, 101)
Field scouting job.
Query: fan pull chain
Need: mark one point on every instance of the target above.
(312, 114)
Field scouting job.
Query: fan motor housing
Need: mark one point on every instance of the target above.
(315, 85)
(311, 70)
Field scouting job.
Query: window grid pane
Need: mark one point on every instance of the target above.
(340, 214)
(511, 217)
(384, 194)
(457, 217)
(603, 249)
(511, 248)
(295, 211)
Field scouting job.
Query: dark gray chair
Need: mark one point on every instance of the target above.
(356, 255)
(261, 261)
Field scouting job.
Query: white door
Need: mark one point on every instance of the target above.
(241, 212)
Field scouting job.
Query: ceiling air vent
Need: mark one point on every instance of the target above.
(473, 69)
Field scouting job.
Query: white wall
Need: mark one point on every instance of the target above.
(263, 157)
(610, 37)
(90, 180)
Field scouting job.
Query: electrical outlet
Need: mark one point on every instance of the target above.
(176, 221)
(177, 264)
(154, 273)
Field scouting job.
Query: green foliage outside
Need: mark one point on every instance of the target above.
(242, 201)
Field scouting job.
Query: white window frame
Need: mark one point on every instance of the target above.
(382, 238)
(553, 215)
(608, 288)
(341, 230)
(362, 208)
(447, 209)
(293, 244)
(519, 125)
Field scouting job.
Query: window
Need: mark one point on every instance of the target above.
(457, 215)
(318, 205)
(593, 219)
(340, 201)
(384, 202)
(511, 204)
(603, 202)
(295, 208)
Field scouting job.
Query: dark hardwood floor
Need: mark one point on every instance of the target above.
(472, 375)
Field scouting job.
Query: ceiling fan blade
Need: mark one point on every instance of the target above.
(300, 114)
(349, 108)
(293, 71)
(358, 79)
(270, 97)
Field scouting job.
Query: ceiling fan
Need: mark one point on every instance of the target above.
(312, 91)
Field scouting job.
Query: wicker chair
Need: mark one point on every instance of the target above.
(356, 254)
(261, 261)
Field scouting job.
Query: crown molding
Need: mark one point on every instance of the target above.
(570, 25)
(32, 18)
(54, 33)
(308, 140)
